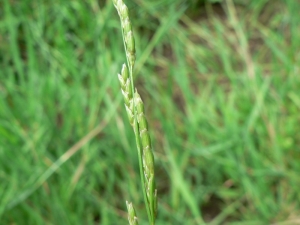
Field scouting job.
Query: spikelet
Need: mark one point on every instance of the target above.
(127, 31)
(127, 92)
(148, 158)
(133, 220)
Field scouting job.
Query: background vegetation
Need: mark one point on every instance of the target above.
(220, 82)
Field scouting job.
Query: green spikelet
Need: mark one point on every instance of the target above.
(127, 31)
(133, 220)
(127, 93)
(148, 158)
(127, 26)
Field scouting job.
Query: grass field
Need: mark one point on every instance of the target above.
(220, 81)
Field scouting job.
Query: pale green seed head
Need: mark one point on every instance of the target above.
(124, 72)
(148, 160)
(139, 103)
(128, 89)
(130, 115)
(140, 108)
(143, 124)
(132, 218)
(127, 26)
(130, 44)
(125, 84)
(131, 59)
(131, 105)
(126, 98)
(145, 139)
(122, 81)
(123, 11)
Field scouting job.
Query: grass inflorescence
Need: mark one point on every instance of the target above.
(136, 115)
(220, 85)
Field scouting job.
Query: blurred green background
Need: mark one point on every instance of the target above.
(220, 82)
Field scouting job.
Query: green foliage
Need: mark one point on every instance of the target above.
(226, 142)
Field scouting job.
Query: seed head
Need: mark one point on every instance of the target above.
(133, 220)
